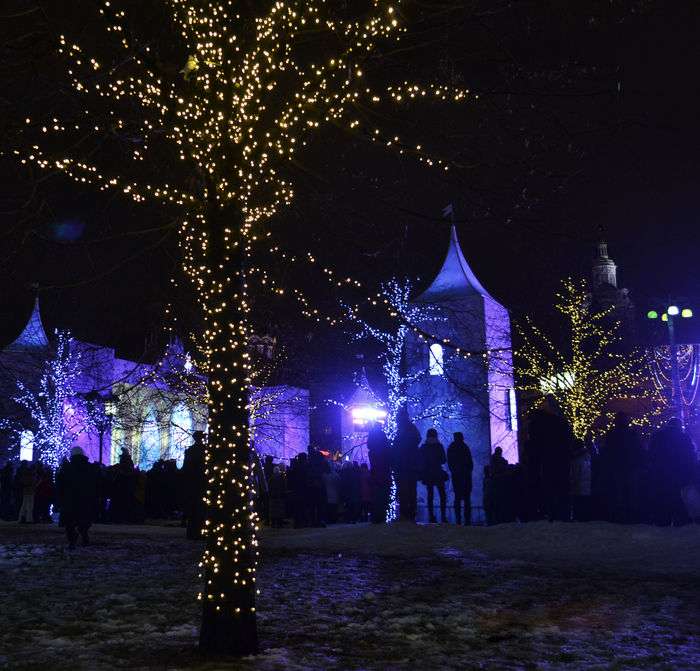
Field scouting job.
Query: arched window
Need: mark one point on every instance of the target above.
(26, 445)
(149, 449)
(435, 359)
(181, 429)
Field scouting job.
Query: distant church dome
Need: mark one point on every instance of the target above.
(604, 268)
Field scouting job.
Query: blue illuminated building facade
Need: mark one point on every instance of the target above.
(466, 357)
(149, 409)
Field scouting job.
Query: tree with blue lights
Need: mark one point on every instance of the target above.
(396, 295)
(51, 406)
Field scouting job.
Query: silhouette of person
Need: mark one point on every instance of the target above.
(194, 486)
(77, 487)
(461, 465)
(433, 457)
(407, 457)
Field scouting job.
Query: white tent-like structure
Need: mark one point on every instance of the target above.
(478, 385)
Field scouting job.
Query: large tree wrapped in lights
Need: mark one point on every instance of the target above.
(581, 364)
(211, 120)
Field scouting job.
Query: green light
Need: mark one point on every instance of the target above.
(652, 314)
(687, 312)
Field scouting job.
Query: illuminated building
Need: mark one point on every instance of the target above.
(149, 409)
(476, 381)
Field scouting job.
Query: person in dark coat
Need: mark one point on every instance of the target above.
(461, 465)
(123, 485)
(501, 486)
(362, 490)
(27, 480)
(297, 481)
(194, 486)
(125, 459)
(620, 455)
(432, 458)
(499, 465)
(380, 473)
(407, 460)
(553, 441)
(315, 487)
(673, 465)
(7, 511)
(278, 494)
(77, 488)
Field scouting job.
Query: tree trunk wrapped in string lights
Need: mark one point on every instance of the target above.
(230, 557)
(207, 125)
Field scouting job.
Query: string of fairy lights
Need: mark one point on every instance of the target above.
(688, 365)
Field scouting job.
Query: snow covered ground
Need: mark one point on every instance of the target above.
(546, 596)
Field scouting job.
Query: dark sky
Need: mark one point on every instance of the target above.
(588, 118)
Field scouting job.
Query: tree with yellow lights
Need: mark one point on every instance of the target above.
(586, 371)
(253, 82)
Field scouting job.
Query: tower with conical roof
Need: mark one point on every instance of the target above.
(33, 336)
(462, 361)
(361, 409)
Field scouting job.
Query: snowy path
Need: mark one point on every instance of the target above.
(354, 597)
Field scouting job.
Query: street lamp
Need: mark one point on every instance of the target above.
(668, 317)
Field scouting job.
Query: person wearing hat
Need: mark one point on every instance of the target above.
(76, 484)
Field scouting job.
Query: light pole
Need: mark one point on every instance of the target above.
(669, 316)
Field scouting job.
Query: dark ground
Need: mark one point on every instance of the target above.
(540, 596)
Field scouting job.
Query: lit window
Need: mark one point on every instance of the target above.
(181, 429)
(26, 446)
(512, 410)
(149, 447)
(435, 359)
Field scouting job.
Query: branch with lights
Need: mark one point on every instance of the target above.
(588, 372)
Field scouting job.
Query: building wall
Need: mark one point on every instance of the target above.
(281, 422)
(502, 403)
(475, 386)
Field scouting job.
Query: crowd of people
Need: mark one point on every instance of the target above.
(313, 491)
(621, 480)
(82, 492)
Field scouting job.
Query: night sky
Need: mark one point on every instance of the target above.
(587, 118)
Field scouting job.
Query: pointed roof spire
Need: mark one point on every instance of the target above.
(455, 278)
(33, 336)
(363, 394)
